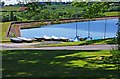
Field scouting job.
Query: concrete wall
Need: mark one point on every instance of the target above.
(14, 31)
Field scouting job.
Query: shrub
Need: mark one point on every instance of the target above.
(5, 18)
(114, 8)
(118, 34)
(115, 52)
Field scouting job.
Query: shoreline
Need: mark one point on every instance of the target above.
(36, 24)
(15, 27)
(62, 21)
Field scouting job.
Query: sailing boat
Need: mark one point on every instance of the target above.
(76, 38)
(105, 28)
(89, 34)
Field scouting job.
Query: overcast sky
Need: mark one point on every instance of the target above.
(7, 2)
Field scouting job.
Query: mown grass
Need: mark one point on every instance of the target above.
(59, 63)
(112, 13)
(4, 26)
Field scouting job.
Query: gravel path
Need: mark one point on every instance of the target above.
(27, 46)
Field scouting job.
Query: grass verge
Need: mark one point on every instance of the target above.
(87, 42)
(4, 26)
(59, 63)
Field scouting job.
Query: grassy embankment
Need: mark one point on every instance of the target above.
(9, 8)
(83, 64)
(4, 26)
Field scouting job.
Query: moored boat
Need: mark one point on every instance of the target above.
(47, 38)
(64, 39)
(54, 38)
(28, 40)
(38, 38)
(15, 40)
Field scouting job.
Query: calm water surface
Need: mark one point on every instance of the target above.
(68, 29)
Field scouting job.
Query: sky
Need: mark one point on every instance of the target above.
(7, 2)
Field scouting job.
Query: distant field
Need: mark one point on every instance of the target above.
(68, 8)
(112, 13)
(8, 8)
(53, 8)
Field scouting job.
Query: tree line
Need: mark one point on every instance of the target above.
(37, 11)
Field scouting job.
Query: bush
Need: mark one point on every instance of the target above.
(115, 52)
(118, 33)
(118, 40)
(114, 8)
(5, 18)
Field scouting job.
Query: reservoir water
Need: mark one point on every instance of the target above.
(97, 29)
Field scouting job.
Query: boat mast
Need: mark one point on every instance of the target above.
(105, 28)
(89, 23)
(76, 24)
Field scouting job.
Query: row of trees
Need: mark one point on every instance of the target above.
(38, 11)
(2, 3)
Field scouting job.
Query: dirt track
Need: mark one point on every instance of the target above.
(28, 46)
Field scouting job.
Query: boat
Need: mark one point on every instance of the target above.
(76, 39)
(64, 39)
(15, 40)
(89, 38)
(47, 38)
(83, 39)
(71, 40)
(28, 40)
(54, 38)
(39, 38)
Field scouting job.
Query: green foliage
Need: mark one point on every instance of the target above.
(5, 18)
(79, 4)
(114, 8)
(38, 11)
(115, 53)
(8, 16)
(115, 58)
(95, 10)
(35, 7)
(2, 3)
(11, 15)
(118, 34)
